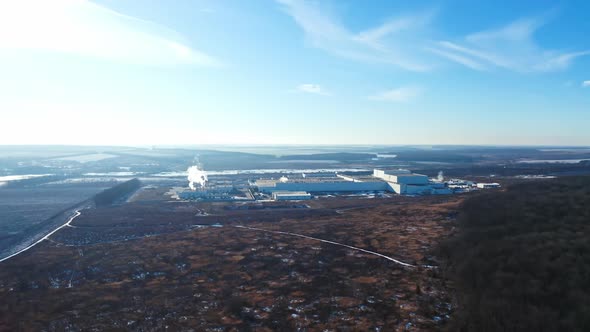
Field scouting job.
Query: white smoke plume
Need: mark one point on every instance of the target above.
(284, 179)
(303, 175)
(196, 176)
(440, 177)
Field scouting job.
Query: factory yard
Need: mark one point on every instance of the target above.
(185, 265)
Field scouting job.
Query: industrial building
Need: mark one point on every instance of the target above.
(460, 184)
(488, 185)
(204, 195)
(217, 190)
(320, 184)
(401, 176)
(402, 182)
(290, 195)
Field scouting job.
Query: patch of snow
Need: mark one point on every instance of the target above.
(21, 177)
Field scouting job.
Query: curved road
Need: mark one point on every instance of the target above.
(330, 242)
(76, 214)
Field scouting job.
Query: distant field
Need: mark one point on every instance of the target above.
(23, 207)
(551, 161)
(88, 157)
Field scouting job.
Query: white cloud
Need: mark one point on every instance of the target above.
(466, 61)
(312, 88)
(83, 28)
(586, 84)
(402, 94)
(511, 47)
(397, 42)
(405, 42)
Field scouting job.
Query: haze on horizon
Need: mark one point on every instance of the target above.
(111, 72)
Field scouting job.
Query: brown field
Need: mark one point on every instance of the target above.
(148, 267)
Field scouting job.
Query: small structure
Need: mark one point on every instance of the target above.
(488, 185)
(290, 195)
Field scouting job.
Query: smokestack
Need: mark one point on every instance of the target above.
(196, 176)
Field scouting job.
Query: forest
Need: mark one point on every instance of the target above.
(520, 258)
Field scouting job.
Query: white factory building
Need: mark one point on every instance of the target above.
(324, 184)
(400, 181)
(290, 195)
(404, 182)
(488, 185)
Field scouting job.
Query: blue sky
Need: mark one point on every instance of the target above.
(137, 72)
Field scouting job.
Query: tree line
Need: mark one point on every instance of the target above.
(520, 260)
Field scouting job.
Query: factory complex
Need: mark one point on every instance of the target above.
(306, 186)
(402, 182)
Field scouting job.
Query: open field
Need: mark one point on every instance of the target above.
(23, 207)
(207, 278)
